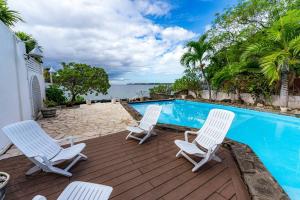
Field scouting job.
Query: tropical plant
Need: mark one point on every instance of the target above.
(279, 51)
(161, 89)
(81, 79)
(46, 75)
(30, 42)
(7, 16)
(55, 94)
(187, 82)
(197, 53)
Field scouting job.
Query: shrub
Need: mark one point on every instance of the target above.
(55, 94)
(187, 83)
(50, 103)
(161, 89)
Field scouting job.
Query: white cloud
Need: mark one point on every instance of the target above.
(154, 7)
(207, 27)
(114, 34)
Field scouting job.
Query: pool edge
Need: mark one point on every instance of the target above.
(259, 181)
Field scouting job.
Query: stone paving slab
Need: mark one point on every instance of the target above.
(84, 122)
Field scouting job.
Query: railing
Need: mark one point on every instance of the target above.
(33, 65)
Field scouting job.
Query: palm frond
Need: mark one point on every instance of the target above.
(272, 64)
(294, 45)
(252, 50)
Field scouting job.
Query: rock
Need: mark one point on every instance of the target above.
(259, 105)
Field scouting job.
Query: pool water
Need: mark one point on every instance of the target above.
(274, 138)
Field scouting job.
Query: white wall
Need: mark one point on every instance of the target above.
(15, 100)
(294, 101)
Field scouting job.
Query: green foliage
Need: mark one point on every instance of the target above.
(187, 83)
(197, 53)
(81, 79)
(161, 89)
(79, 100)
(50, 103)
(7, 16)
(46, 75)
(55, 94)
(29, 41)
(256, 47)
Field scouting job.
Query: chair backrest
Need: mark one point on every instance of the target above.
(31, 139)
(214, 128)
(150, 117)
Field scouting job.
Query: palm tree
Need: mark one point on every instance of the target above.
(279, 52)
(196, 55)
(7, 16)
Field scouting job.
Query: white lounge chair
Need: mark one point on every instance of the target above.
(209, 138)
(146, 124)
(79, 190)
(41, 149)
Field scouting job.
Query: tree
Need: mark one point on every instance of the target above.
(195, 56)
(29, 41)
(187, 83)
(55, 94)
(81, 79)
(7, 16)
(279, 51)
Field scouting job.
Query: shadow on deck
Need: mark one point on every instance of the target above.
(148, 171)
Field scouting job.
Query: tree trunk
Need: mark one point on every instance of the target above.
(207, 83)
(284, 90)
(73, 99)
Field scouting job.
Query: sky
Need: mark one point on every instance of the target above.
(133, 40)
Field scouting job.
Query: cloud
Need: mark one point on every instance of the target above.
(207, 27)
(154, 7)
(114, 34)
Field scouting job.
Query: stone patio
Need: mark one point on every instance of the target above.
(84, 122)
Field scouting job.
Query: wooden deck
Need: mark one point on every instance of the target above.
(148, 171)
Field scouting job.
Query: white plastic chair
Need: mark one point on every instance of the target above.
(146, 124)
(79, 190)
(209, 138)
(41, 149)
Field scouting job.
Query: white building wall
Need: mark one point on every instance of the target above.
(15, 100)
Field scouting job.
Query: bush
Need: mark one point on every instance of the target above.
(79, 100)
(50, 103)
(55, 94)
(161, 89)
(187, 83)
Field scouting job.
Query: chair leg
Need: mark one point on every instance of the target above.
(83, 157)
(79, 157)
(145, 138)
(33, 170)
(128, 135)
(178, 154)
(60, 171)
(200, 164)
(216, 158)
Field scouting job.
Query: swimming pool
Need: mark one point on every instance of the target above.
(274, 138)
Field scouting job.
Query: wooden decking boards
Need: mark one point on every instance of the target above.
(147, 171)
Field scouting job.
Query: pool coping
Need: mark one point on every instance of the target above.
(260, 183)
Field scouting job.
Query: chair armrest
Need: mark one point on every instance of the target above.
(39, 197)
(186, 133)
(70, 139)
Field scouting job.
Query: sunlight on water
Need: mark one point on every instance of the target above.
(274, 138)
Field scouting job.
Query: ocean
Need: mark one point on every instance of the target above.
(123, 92)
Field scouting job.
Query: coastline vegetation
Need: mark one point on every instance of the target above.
(255, 48)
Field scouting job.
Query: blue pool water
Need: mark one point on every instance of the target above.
(274, 138)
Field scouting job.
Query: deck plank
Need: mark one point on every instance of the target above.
(148, 171)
